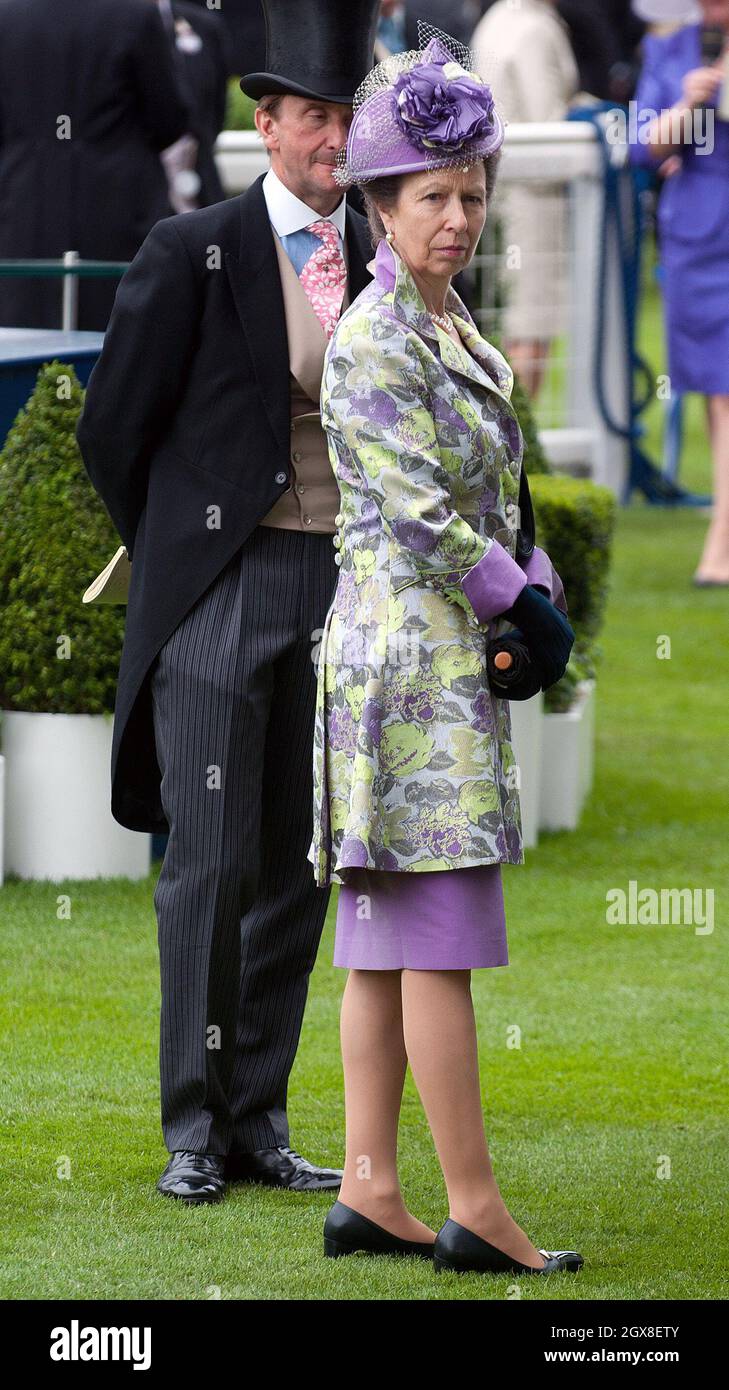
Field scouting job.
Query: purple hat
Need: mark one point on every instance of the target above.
(424, 109)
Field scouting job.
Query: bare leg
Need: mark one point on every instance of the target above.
(442, 1048)
(373, 1054)
(714, 562)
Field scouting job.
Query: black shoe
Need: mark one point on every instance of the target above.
(195, 1177)
(346, 1230)
(281, 1167)
(457, 1248)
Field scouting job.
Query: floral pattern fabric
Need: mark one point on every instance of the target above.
(413, 764)
(324, 276)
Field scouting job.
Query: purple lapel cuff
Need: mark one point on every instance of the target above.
(495, 581)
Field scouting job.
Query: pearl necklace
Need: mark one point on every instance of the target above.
(444, 321)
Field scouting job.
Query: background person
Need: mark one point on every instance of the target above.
(525, 54)
(88, 101)
(693, 223)
(199, 45)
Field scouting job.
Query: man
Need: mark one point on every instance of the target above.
(200, 48)
(201, 433)
(88, 100)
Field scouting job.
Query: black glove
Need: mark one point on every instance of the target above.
(547, 633)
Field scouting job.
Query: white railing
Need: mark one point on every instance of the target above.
(571, 426)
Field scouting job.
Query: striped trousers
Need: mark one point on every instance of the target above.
(239, 914)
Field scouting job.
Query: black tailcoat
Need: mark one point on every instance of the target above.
(103, 70)
(187, 409)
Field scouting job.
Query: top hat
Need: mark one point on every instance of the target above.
(320, 48)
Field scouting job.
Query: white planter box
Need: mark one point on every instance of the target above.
(568, 752)
(58, 821)
(527, 719)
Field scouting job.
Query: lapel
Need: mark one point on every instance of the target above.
(478, 360)
(256, 287)
(306, 338)
(255, 283)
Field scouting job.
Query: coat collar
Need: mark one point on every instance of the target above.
(477, 360)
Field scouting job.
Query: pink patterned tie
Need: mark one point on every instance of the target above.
(325, 275)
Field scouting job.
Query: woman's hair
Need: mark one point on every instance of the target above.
(384, 193)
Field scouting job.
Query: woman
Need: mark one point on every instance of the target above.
(535, 77)
(416, 805)
(693, 220)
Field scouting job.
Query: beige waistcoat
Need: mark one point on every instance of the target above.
(311, 502)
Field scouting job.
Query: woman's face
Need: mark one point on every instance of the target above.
(438, 219)
(715, 13)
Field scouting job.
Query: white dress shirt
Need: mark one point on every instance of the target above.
(290, 218)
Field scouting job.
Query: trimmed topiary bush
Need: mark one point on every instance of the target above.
(575, 521)
(239, 108)
(57, 654)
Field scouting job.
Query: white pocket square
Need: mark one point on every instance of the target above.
(112, 585)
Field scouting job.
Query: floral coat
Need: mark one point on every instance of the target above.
(413, 762)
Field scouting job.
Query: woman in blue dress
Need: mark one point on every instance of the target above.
(678, 121)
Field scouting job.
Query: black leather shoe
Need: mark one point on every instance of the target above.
(457, 1248)
(346, 1230)
(281, 1167)
(194, 1177)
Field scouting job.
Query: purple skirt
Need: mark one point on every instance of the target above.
(447, 919)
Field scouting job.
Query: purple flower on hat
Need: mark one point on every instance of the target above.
(441, 106)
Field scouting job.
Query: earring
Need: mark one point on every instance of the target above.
(390, 237)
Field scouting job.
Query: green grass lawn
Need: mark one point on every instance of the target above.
(607, 1127)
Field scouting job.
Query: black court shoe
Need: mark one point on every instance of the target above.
(346, 1231)
(457, 1248)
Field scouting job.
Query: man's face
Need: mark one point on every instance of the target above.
(303, 137)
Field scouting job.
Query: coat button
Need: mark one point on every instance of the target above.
(300, 487)
(296, 457)
(281, 477)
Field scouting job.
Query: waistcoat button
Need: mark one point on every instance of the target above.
(281, 477)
